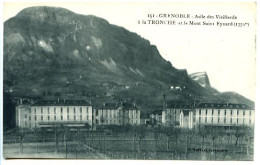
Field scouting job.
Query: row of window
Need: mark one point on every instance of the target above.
(55, 117)
(225, 112)
(225, 120)
(61, 110)
(115, 115)
(212, 112)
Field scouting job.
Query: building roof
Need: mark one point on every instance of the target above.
(61, 103)
(125, 106)
(26, 102)
(109, 106)
(180, 105)
(129, 106)
(223, 106)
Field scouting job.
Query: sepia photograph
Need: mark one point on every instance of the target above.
(129, 80)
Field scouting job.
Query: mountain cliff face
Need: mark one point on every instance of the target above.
(201, 78)
(53, 52)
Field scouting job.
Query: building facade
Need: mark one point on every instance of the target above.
(108, 114)
(47, 113)
(156, 117)
(208, 114)
(215, 114)
(117, 114)
(178, 115)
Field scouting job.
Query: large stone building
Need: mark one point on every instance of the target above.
(228, 115)
(208, 114)
(178, 115)
(117, 114)
(49, 113)
(74, 113)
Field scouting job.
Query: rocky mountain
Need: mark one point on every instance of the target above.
(53, 52)
(201, 78)
(234, 97)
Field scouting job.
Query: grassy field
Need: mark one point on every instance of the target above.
(133, 144)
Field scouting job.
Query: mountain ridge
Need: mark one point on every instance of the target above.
(52, 52)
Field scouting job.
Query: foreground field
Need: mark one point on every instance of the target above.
(133, 144)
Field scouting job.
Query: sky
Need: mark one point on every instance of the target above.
(227, 54)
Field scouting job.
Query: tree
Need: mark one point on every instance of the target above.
(141, 131)
(22, 134)
(189, 135)
(169, 132)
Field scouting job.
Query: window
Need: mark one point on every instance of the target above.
(218, 119)
(206, 111)
(25, 116)
(61, 117)
(212, 112)
(249, 121)
(48, 117)
(68, 117)
(48, 110)
(25, 123)
(55, 117)
(225, 112)
(244, 112)
(231, 112)
(237, 112)
(80, 117)
(199, 119)
(218, 112)
(205, 119)
(74, 110)
(74, 117)
(41, 110)
(212, 120)
(80, 110)
(225, 120)
(41, 118)
(68, 110)
(61, 110)
(231, 120)
(34, 110)
(54, 110)
(35, 118)
(250, 113)
(237, 120)
(200, 112)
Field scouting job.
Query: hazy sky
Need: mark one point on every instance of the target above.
(227, 54)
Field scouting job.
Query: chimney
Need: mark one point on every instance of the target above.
(164, 101)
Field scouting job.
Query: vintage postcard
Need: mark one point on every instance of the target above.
(129, 81)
